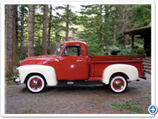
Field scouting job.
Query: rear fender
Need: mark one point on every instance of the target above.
(128, 70)
(47, 72)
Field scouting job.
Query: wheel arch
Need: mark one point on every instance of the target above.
(128, 71)
(119, 74)
(47, 72)
(34, 73)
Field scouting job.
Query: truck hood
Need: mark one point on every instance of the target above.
(40, 60)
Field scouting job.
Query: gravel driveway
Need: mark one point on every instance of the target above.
(79, 100)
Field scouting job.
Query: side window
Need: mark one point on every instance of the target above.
(72, 51)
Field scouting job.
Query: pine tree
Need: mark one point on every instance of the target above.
(9, 38)
(31, 31)
(115, 22)
(15, 44)
(22, 31)
(45, 20)
(49, 28)
(65, 21)
(141, 15)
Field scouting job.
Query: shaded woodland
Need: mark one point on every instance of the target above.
(33, 30)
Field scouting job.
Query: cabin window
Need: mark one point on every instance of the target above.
(72, 51)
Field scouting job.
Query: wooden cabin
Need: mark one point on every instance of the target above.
(145, 33)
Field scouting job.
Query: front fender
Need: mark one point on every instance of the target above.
(47, 71)
(128, 70)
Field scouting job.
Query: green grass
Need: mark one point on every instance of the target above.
(9, 77)
(30, 111)
(92, 105)
(146, 98)
(128, 106)
(9, 82)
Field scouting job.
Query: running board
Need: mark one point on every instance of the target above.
(76, 83)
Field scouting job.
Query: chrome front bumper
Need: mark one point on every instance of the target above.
(17, 80)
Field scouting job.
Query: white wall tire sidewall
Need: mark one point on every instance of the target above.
(125, 84)
(32, 90)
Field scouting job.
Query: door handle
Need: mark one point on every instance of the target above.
(78, 60)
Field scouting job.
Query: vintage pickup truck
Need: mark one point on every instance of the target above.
(71, 65)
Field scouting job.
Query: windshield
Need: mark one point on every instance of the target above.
(58, 49)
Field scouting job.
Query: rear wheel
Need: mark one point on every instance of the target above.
(118, 84)
(35, 84)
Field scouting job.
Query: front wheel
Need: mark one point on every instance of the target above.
(118, 84)
(35, 84)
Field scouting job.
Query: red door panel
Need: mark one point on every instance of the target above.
(73, 68)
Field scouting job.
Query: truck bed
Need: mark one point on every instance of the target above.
(99, 63)
(116, 57)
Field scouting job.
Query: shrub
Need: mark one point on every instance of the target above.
(8, 75)
(136, 45)
(114, 50)
(140, 51)
(124, 51)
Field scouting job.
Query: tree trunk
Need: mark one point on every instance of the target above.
(49, 30)
(45, 20)
(22, 33)
(100, 22)
(31, 31)
(6, 7)
(106, 38)
(15, 47)
(115, 25)
(125, 15)
(9, 39)
(67, 23)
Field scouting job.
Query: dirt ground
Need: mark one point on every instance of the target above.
(79, 99)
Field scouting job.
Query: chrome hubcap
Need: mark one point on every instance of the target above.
(118, 83)
(35, 83)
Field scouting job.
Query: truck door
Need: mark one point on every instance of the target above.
(72, 65)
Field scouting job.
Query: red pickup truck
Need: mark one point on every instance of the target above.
(71, 65)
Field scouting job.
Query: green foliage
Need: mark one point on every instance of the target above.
(122, 50)
(94, 49)
(120, 38)
(140, 51)
(125, 52)
(114, 50)
(133, 107)
(96, 23)
(142, 15)
(38, 50)
(98, 29)
(30, 111)
(9, 75)
(136, 45)
(60, 21)
(101, 26)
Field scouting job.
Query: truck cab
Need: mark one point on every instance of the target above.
(72, 62)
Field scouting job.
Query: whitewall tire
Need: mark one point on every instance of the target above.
(118, 84)
(35, 84)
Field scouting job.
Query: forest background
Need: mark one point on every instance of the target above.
(32, 30)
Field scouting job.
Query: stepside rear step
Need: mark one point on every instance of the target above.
(76, 83)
